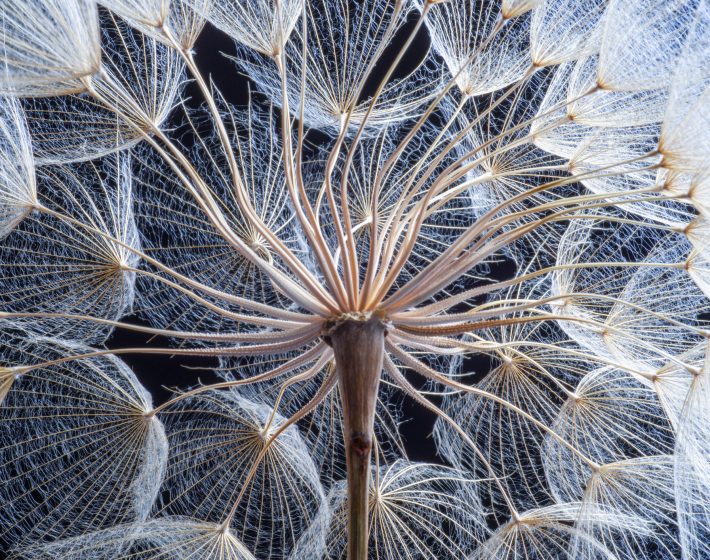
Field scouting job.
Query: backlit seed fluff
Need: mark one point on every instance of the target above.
(48, 46)
(397, 280)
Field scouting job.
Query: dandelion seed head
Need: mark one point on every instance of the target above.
(493, 211)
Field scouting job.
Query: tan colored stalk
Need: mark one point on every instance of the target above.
(395, 221)
(452, 259)
(542, 316)
(317, 301)
(489, 347)
(240, 191)
(376, 254)
(289, 316)
(415, 220)
(232, 351)
(297, 191)
(260, 336)
(458, 169)
(429, 373)
(355, 280)
(358, 346)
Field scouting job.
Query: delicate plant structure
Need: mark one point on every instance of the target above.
(533, 191)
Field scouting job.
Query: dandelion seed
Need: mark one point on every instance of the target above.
(214, 441)
(78, 453)
(48, 47)
(416, 511)
(46, 261)
(18, 193)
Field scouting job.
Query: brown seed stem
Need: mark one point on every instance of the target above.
(358, 346)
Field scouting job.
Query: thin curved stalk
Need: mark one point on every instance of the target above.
(433, 375)
(456, 265)
(326, 387)
(230, 351)
(434, 308)
(404, 385)
(310, 355)
(240, 191)
(297, 193)
(317, 301)
(274, 336)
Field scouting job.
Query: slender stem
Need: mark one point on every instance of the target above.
(268, 349)
(351, 152)
(487, 226)
(412, 224)
(308, 299)
(240, 301)
(485, 346)
(297, 191)
(502, 307)
(433, 375)
(292, 380)
(433, 309)
(325, 388)
(459, 257)
(309, 355)
(259, 336)
(359, 351)
(394, 157)
(240, 191)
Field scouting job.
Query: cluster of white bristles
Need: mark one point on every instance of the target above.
(533, 191)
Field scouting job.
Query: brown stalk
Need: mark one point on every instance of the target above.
(358, 346)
